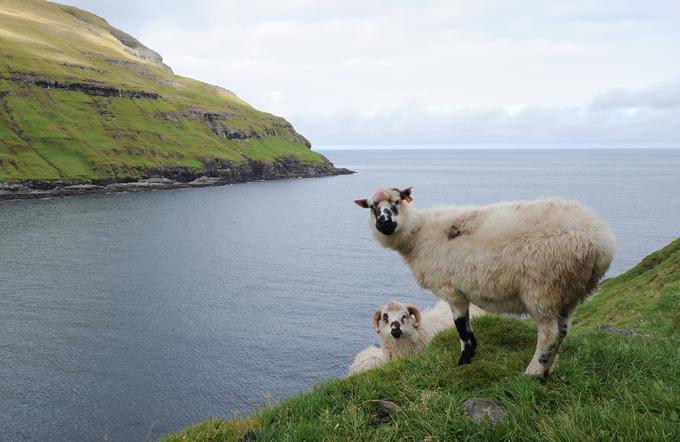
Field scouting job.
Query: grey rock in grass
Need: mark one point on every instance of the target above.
(249, 436)
(382, 411)
(478, 409)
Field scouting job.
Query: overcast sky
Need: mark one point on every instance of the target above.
(430, 72)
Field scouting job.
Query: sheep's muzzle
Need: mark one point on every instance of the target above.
(396, 330)
(385, 225)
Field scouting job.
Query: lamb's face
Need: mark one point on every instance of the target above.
(387, 209)
(396, 320)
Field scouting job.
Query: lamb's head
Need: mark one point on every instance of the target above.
(396, 321)
(389, 209)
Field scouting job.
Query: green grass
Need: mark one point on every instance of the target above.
(646, 298)
(606, 386)
(56, 134)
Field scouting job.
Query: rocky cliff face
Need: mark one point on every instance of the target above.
(215, 173)
(130, 44)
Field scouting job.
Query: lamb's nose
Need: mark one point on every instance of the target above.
(396, 332)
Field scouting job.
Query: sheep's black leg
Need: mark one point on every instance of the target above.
(467, 338)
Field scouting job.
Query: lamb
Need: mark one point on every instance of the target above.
(403, 330)
(541, 258)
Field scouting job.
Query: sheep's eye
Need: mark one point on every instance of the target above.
(403, 318)
(385, 317)
(396, 203)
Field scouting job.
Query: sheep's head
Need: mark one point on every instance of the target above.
(396, 320)
(387, 208)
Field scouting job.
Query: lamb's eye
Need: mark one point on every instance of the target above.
(403, 318)
(385, 317)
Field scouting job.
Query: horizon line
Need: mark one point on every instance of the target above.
(499, 146)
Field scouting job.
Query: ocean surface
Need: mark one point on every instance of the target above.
(129, 316)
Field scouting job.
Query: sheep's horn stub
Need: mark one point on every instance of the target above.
(406, 194)
(413, 310)
(361, 203)
(376, 320)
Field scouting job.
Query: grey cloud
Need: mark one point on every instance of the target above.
(660, 96)
(534, 125)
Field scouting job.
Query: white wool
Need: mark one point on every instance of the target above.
(540, 257)
(368, 358)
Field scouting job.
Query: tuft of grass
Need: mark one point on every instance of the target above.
(54, 134)
(607, 386)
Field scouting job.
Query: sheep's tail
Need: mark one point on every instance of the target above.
(605, 248)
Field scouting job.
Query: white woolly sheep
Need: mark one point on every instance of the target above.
(541, 257)
(403, 330)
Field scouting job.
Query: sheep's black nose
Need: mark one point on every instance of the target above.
(396, 329)
(385, 225)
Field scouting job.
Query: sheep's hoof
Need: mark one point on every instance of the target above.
(541, 377)
(468, 351)
(464, 358)
(539, 374)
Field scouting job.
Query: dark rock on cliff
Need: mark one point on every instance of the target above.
(215, 173)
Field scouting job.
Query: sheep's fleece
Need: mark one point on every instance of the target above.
(540, 257)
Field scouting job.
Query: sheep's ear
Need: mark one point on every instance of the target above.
(361, 203)
(413, 310)
(376, 320)
(406, 194)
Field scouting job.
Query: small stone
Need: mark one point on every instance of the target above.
(248, 436)
(383, 411)
(479, 409)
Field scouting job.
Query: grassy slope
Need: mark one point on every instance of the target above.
(606, 387)
(58, 134)
(647, 297)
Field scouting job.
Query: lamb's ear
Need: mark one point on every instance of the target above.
(376, 319)
(361, 203)
(406, 194)
(413, 310)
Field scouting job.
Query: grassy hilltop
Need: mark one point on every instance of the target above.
(618, 378)
(81, 100)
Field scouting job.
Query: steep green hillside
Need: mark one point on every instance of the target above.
(646, 298)
(81, 100)
(610, 383)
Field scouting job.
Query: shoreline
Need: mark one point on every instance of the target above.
(215, 174)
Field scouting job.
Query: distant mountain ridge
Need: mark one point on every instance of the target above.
(85, 104)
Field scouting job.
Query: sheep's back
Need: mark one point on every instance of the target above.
(552, 245)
